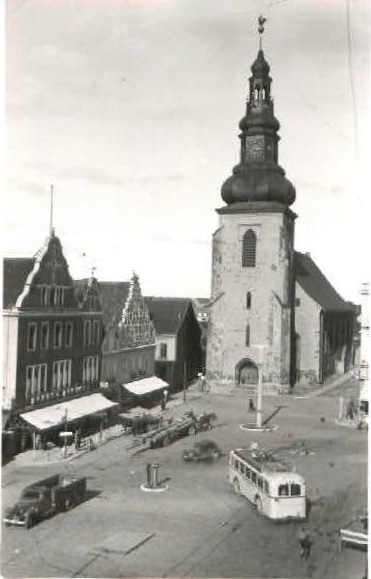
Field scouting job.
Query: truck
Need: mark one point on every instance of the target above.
(46, 498)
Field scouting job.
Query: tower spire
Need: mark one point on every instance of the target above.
(261, 21)
(258, 177)
(51, 209)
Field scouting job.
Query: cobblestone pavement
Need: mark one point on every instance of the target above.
(198, 527)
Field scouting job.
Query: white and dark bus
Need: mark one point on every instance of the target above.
(276, 490)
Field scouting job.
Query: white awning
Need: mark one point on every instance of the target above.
(146, 385)
(44, 418)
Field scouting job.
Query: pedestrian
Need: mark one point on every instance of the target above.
(351, 409)
(305, 543)
(251, 407)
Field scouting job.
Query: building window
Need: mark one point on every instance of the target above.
(62, 374)
(87, 333)
(163, 351)
(61, 296)
(247, 335)
(57, 334)
(90, 368)
(31, 336)
(69, 334)
(45, 335)
(36, 382)
(51, 296)
(45, 294)
(297, 302)
(96, 364)
(249, 249)
(96, 332)
(248, 301)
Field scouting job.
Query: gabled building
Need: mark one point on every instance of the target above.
(52, 336)
(178, 340)
(128, 349)
(52, 330)
(324, 325)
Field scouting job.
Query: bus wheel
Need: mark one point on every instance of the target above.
(28, 521)
(258, 505)
(236, 487)
(67, 504)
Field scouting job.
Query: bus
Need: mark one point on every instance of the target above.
(276, 490)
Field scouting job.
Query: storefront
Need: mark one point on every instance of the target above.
(147, 392)
(66, 419)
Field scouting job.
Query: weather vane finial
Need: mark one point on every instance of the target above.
(261, 22)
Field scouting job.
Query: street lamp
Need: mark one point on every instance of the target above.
(259, 402)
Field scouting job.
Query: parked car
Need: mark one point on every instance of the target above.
(45, 498)
(355, 533)
(202, 450)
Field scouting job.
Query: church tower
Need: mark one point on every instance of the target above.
(252, 294)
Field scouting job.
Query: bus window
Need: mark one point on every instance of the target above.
(248, 472)
(283, 490)
(253, 477)
(266, 487)
(260, 482)
(295, 490)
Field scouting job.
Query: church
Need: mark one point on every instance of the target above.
(273, 314)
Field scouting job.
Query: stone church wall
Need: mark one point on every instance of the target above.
(269, 315)
(307, 320)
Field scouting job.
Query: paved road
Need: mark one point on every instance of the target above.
(198, 527)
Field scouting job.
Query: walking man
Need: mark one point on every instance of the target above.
(305, 543)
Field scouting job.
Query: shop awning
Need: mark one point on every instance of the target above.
(146, 385)
(54, 415)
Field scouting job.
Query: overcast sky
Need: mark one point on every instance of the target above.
(131, 109)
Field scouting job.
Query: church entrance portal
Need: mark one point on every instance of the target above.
(246, 372)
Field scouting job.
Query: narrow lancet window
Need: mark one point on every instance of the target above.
(247, 337)
(248, 301)
(249, 249)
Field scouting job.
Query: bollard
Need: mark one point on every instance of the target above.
(153, 484)
(149, 475)
(155, 467)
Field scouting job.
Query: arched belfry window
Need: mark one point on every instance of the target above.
(249, 249)
(248, 301)
(247, 336)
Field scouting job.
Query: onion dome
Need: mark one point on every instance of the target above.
(258, 177)
(260, 66)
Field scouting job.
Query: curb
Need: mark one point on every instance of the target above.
(175, 403)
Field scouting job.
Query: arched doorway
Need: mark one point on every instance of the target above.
(247, 372)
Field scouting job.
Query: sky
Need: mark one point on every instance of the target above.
(130, 108)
